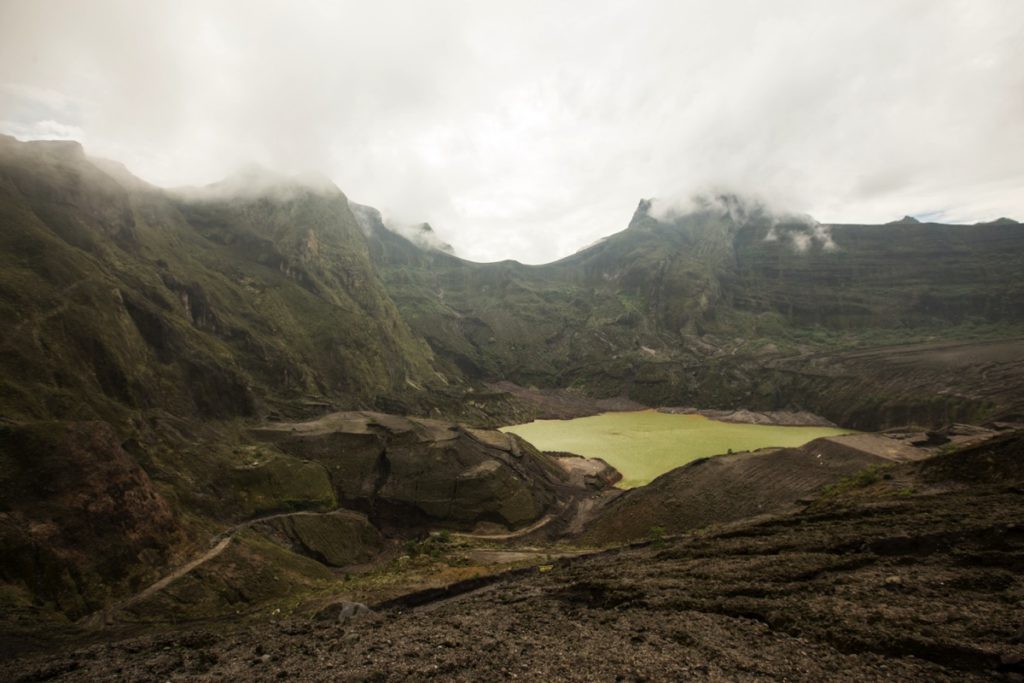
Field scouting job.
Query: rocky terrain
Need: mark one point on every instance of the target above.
(870, 583)
(320, 500)
(731, 487)
(253, 400)
(264, 297)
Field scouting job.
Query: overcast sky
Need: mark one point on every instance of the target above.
(528, 130)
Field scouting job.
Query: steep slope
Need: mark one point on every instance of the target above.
(121, 296)
(598, 312)
(80, 520)
(146, 330)
(906, 274)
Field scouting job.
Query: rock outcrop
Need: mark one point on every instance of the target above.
(336, 539)
(412, 472)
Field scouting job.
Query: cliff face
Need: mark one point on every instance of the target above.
(886, 276)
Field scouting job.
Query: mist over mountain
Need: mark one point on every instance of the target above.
(527, 132)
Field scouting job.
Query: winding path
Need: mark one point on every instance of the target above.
(540, 523)
(221, 541)
(219, 544)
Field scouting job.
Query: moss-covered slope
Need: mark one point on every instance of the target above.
(119, 296)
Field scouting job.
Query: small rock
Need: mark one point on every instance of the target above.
(264, 659)
(1010, 658)
(343, 612)
(893, 581)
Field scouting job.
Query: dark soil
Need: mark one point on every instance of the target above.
(742, 486)
(918, 587)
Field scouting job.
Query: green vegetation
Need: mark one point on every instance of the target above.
(434, 545)
(863, 479)
(645, 444)
(277, 483)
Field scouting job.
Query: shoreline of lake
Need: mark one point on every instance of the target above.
(645, 444)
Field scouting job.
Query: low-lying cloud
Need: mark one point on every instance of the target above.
(778, 221)
(528, 130)
(802, 235)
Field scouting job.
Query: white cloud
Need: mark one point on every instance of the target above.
(530, 129)
(43, 129)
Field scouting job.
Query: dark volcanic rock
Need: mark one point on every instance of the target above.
(410, 472)
(337, 539)
(892, 588)
(738, 486)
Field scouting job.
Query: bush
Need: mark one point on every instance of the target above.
(866, 477)
(657, 536)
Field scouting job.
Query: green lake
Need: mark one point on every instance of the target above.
(645, 444)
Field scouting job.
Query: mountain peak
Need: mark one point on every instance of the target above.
(420, 234)
(737, 208)
(68, 149)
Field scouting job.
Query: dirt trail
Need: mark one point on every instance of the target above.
(221, 541)
(106, 616)
(519, 533)
(218, 544)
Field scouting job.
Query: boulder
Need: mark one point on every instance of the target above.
(343, 612)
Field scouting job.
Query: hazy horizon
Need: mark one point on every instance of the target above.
(529, 132)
